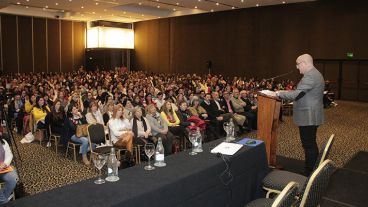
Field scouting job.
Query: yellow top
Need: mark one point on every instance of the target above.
(28, 107)
(39, 114)
(177, 120)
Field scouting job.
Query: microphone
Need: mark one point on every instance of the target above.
(282, 75)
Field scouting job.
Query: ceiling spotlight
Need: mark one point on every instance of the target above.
(96, 3)
(174, 9)
(27, 0)
(195, 7)
(93, 12)
(158, 7)
(257, 5)
(82, 7)
(46, 6)
(283, 2)
(70, 0)
(56, 3)
(233, 7)
(212, 10)
(27, 7)
(177, 3)
(18, 3)
(140, 3)
(217, 4)
(242, 1)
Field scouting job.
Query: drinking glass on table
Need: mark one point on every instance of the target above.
(149, 149)
(99, 161)
(227, 130)
(193, 139)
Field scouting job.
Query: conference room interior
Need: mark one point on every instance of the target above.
(181, 44)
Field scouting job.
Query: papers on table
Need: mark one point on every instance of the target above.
(226, 148)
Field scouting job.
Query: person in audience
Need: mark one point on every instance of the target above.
(172, 120)
(108, 114)
(121, 134)
(250, 110)
(159, 100)
(159, 128)
(74, 119)
(57, 121)
(128, 109)
(8, 175)
(214, 115)
(149, 99)
(141, 128)
(16, 111)
(39, 113)
(94, 115)
(227, 106)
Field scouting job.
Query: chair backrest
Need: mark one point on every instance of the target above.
(325, 151)
(96, 133)
(316, 185)
(287, 196)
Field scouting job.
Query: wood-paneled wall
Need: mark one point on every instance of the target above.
(262, 41)
(33, 44)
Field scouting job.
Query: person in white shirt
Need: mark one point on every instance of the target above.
(94, 114)
(9, 178)
(159, 100)
(141, 128)
(120, 129)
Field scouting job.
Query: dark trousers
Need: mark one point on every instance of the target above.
(308, 135)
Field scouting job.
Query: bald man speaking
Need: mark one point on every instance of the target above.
(307, 107)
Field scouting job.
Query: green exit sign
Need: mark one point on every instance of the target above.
(349, 55)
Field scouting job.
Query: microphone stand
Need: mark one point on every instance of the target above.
(282, 75)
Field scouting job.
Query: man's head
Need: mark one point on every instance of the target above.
(304, 63)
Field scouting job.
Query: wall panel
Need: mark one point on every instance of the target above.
(9, 43)
(53, 45)
(25, 44)
(66, 46)
(79, 43)
(39, 42)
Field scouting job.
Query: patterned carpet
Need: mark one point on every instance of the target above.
(42, 169)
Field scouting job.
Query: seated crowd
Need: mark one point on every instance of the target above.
(135, 107)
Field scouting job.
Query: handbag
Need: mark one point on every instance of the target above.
(82, 130)
(39, 135)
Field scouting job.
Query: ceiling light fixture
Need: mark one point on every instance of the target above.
(18, 3)
(195, 7)
(174, 9)
(96, 3)
(217, 4)
(283, 2)
(82, 7)
(257, 5)
(212, 10)
(56, 3)
(233, 7)
(158, 7)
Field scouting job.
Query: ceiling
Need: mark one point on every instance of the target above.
(126, 10)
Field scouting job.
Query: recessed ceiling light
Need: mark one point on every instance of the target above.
(212, 10)
(177, 3)
(174, 9)
(46, 6)
(140, 3)
(27, 0)
(199, 0)
(96, 3)
(257, 4)
(93, 12)
(27, 7)
(18, 3)
(233, 7)
(82, 7)
(242, 1)
(217, 4)
(56, 3)
(283, 2)
(70, 0)
(158, 6)
(195, 7)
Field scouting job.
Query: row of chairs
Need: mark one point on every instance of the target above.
(298, 190)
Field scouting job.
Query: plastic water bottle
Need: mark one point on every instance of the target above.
(198, 135)
(232, 130)
(159, 154)
(112, 167)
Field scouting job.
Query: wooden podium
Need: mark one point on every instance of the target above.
(268, 123)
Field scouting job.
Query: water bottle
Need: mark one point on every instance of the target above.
(112, 167)
(159, 154)
(198, 135)
(232, 130)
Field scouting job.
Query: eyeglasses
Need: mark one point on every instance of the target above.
(298, 63)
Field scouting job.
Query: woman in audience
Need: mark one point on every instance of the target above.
(94, 115)
(128, 109)
(121, 134)
(108, 114)
(149, 99)
(9, 178)
(159, 128)
(58, 121)
(197, 110)
(75, 118)
(40, 112)
(172, 120)
(141, 128)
